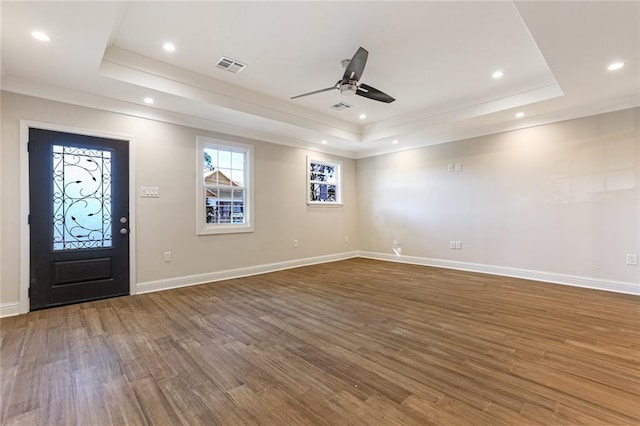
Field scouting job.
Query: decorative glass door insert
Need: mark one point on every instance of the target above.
(81, 198)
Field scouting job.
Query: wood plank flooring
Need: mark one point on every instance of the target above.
(351, 342)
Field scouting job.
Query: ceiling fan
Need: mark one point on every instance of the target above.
(350, 85)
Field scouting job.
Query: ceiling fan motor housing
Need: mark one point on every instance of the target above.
(349, 88)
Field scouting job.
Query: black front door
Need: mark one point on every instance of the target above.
(79, 218)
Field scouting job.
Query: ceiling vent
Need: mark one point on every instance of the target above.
(340, 106)
(230, 65)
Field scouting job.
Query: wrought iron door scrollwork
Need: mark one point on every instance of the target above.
(81, 198)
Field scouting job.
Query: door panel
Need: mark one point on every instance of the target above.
(79, 209)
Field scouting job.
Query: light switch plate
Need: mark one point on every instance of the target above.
(149, 192)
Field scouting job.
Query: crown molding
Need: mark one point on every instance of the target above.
(58, 94)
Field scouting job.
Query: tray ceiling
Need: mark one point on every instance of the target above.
(435, 58)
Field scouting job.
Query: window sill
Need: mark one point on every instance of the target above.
(225, 229)
(321, 204)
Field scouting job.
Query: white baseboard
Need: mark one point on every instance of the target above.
(9, 309)
(158, 285)
(13, 308)
(549, 277)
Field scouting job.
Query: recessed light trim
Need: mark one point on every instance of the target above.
(520, 114)
(395, 141)
(363, 116)
(615, 66)
(148, 100)
(169, 47)
(40, 36)
(497, 74)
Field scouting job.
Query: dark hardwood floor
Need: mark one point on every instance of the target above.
(351, 342)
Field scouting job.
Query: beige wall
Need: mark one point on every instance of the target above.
(165, 156)
(561, 198)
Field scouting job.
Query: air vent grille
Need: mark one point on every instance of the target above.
(340, 106)
(230, 65)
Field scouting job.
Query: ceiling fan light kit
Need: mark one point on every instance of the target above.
(350, 83)
(350, 88)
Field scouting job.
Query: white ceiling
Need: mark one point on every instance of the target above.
(435, 58)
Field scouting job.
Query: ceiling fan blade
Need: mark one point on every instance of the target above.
(334, 87)
(356, 66)
(373, 93)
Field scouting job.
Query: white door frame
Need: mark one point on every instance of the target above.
(25, 248)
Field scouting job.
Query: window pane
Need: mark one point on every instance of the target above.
(224, 159)
(237, 215)
(210, 159)
(331, 175)
(331, 193)
(211, 205)
(315, 192)
(237, 176)
(323, 192)
(224, 177)
(237, 160)
(237, 195)
(226, 210)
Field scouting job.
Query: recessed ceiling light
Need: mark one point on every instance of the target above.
(363, 116)
(169, 47)
(148, 100)
(39, 35)
(519, 114)
(324, 142)
(497, 74)
(395, 141)
(614, 66)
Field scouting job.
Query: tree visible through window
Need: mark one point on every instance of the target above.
(225, 188)
(323, 182)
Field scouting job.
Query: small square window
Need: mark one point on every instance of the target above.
(324, 182)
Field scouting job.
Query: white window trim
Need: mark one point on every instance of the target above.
(338, 165)
(204, 228)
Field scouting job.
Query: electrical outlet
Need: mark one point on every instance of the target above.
(458, 245)
(632, 259)
(450, 167)
(346, 240)
(167, 256)
(452, 245)
(295, 243)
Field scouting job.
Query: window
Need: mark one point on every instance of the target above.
(224, 187)
(323, 182)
